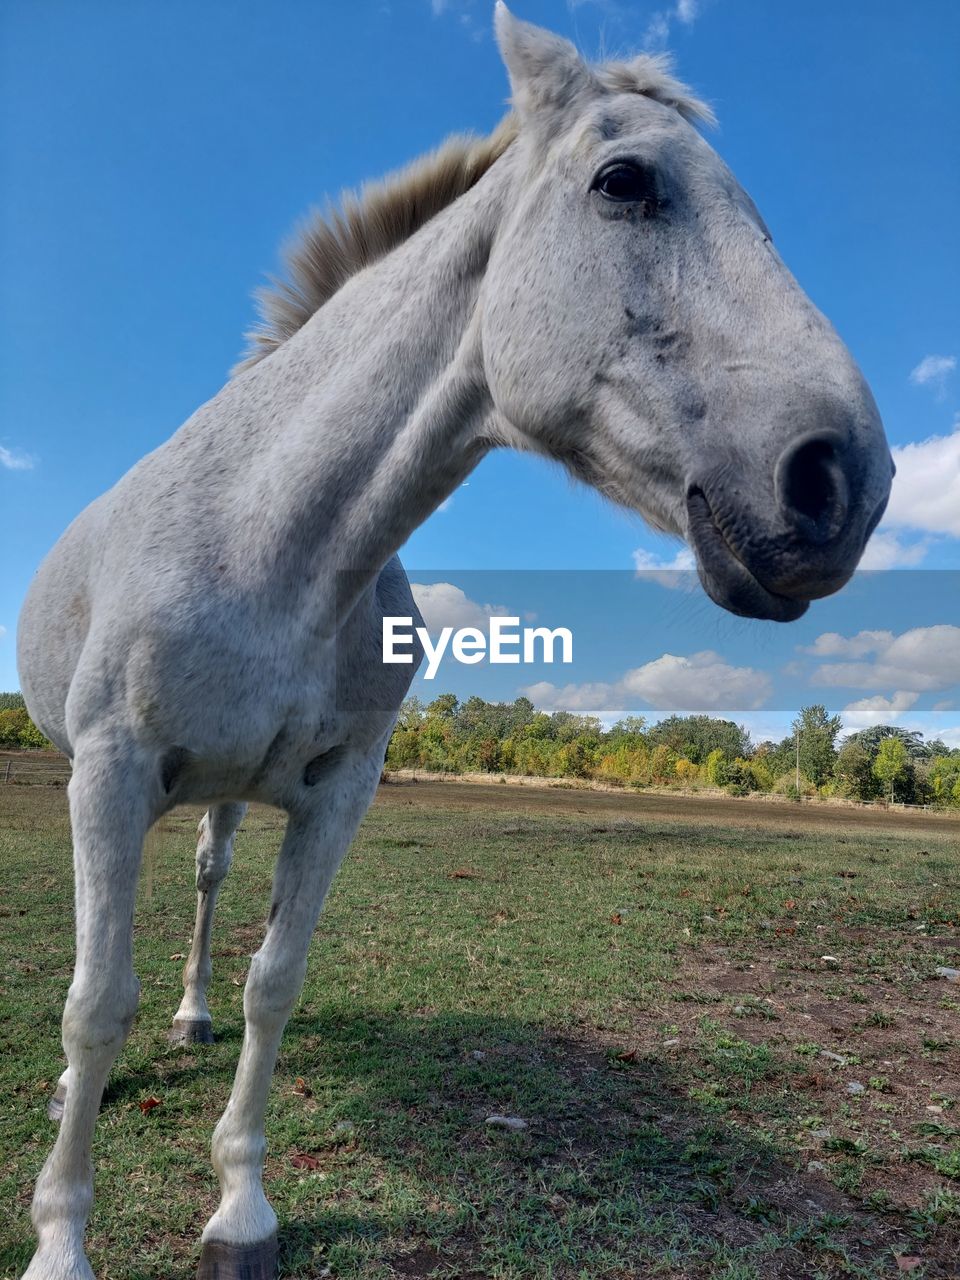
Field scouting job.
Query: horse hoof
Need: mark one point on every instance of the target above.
(55, 1105)
(191, 1031)
(220, 1261)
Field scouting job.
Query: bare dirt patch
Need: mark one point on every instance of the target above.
(641, 806)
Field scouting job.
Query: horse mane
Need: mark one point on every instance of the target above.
(334, 244)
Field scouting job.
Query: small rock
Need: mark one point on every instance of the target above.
(838, 1058)
(935, 1110)
(856, 1088)
(830, 961)
(344, 1130)
(477, 1055)
(821, 1135)
(670, 1044)
(951, 975)
(816, 1166)
(739, 1008)
(512, 1123)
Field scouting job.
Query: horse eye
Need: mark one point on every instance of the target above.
(626, 184)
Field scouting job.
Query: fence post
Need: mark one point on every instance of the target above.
(6, 776)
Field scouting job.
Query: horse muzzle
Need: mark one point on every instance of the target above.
(826, 502)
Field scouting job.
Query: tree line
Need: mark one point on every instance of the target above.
(817, 758)
(17, 730)
(446, 735)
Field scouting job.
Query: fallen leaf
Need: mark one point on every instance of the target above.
(616, 918)
(301, 1087)
(463, 873)
(147, 1104)
(790, 904)
(906, 1262)
(628, 1055)
(178, 955)
(300, 1160)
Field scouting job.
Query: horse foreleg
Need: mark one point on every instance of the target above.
(109, 812)
(192, 1023)
(240, 1240)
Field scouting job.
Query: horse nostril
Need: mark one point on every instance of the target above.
(812, 487)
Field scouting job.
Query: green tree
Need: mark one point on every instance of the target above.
(443, 707)
(715, 768)
(694, 737)
(817, 742)
(854, 770)
(942, 778)
(410, 715)
(912, 739)
(890, 764)
(404, 749)
(19, 733)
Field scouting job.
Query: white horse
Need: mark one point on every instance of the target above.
(591, 283)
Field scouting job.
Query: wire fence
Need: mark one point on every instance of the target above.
(36, 768)
(52, 769)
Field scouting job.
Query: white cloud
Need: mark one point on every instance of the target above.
(15, 459)
(458, 9)
(674, 573)
(867, 712)
(444, 605)
(833, 645)
(886, 550)
(920, 660)
(701, 682)
(594, 698)
(658, 32)
(933, 370)
(926, 488)
(658, 28)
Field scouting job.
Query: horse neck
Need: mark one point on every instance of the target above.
(392, 407)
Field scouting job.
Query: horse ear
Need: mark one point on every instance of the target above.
(546, 72)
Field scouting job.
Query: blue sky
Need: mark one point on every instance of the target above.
(154, 156)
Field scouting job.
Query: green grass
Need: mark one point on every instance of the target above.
(650, 996)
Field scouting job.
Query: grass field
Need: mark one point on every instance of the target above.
(641, 979)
